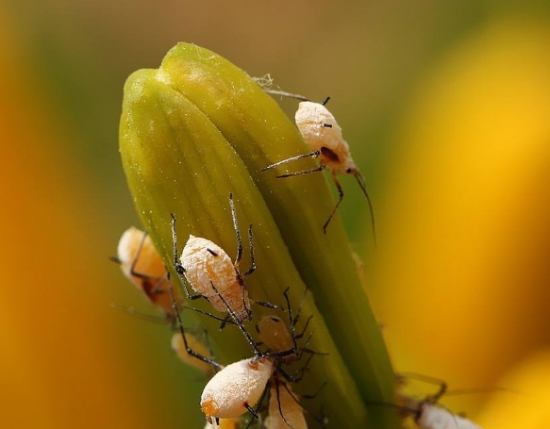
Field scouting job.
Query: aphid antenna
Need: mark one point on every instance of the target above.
(361, 181)
(189, 350)
(143, 316)
(178, 266)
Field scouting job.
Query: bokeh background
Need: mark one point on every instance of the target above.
(446, 106)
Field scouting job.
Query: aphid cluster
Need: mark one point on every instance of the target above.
(208, 272)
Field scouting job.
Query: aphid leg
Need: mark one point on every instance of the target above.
(252, 411)
(297, 375)
(314, 154)
(279, 403)
(177, 265)
(361, 180)
(321, 420)
(133, 272)
(427, 379)
(340, 198)
(224, 321)
(132, 311)
(264, 304)
(252, 259)
(260, 402)
(138, 254)
(284, 94)
(321, 167)
(240, 251)
(237, 231)
(252, 343)
(189, 350)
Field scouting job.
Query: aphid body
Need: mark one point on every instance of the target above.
(142, 265)
(432, 416)
(284, 411)
(193, 342)
(322, 133)
(205, 263)
(236, 388)
(274, 334)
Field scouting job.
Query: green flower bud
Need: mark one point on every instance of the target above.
(199, 128)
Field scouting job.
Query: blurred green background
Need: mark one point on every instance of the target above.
(446, 109)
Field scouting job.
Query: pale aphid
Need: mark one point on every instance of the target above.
(428, 414)
(203, 262)
(237, 388)
(142, 265)
(432, 416)
(193, 342)
(281, 341)
(284, 410)
(323, 135)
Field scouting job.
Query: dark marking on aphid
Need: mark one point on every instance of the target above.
(327, 125)
(330, 154)
(211, 252)
(275, 319)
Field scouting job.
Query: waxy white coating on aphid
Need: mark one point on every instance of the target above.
(434, 417)
(193, 342)
(287, 404)
(312, 120)
(135, 251)
(275, 335)
(239, 384)
(206, 263)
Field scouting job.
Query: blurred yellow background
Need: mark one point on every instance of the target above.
(446, 108)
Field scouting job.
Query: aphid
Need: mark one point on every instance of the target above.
(239, 386)
(178, 345)
(432, 416)
(323, 135)
(284, 410)
(428, 414)
(280, 341)
(203, 262)
(142, 265)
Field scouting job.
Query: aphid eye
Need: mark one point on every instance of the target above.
(348, 170)
(180, 269)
